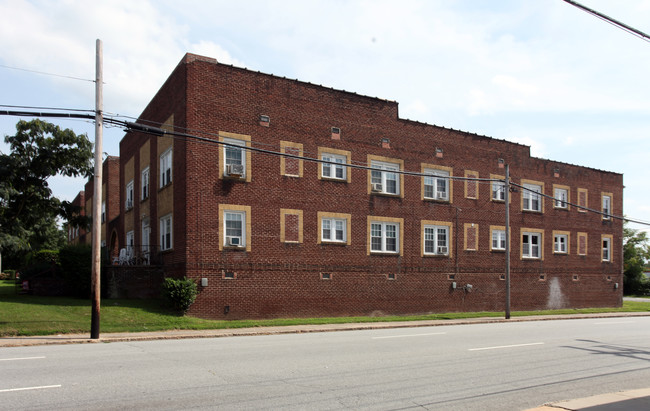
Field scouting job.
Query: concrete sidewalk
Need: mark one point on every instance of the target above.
(620, 401)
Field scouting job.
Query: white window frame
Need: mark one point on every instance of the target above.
(335, 168)
(561, 243)
(144, 183)
(130, 243)
(431, 237)
(531, 249)
(229, 148)
(498, 240)
(166, 176)
(561, 198)
(532, 193)
(434, 180)
(334, 227)
(382, 173)
(230, 216)
(606, 207)
(103, 215)
(166, 233)
(386, 230)
(606, 253)
(498, 191)
(129, 196)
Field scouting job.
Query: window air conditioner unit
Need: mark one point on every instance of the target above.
(442, 250)
(233, 241)
(235, 170)
(440, 195)
(376, 188)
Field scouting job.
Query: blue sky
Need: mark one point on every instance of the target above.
(540, 73)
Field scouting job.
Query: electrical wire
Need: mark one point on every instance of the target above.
(46, 73)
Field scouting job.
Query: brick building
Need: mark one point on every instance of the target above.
(268, 235)
(76, 234)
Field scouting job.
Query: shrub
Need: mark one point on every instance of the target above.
(76, 268)
(45, 256)
(179, 294)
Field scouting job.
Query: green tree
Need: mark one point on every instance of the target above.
(28, 211)
(636, 254)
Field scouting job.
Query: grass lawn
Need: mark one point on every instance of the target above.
(33, 315)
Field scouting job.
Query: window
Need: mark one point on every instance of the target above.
(130, 243)
(290, 166)
(560, 242)
(334, 168)
(436, 240)
(607, 247)
(498, 238)
(384, 235)
(166, 168)
(129, 195)
(531, 198)
(103, 211)
(531, 244)
(144, 183)
(561, 197)
(498, 188)
(290, 226)
(606, 206)
(234, 158)
(471, 186)
(583, 198)
(436, 184)
(582, 243)
(166, 233)
(235, 227)
(334, 228)
(383, 179)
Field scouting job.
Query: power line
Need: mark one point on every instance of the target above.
(46, 73)
(613, 22)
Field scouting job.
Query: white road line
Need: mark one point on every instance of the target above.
(614, 322)
(404, 336)
(31, 388)
(504, 346)
(24, 358)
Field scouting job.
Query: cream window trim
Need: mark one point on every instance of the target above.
(586, 237)
(531, 195)
(472, 174)
(467, 227)
(531, 232)
(283, 160)
(392, 161)
(341, 153)
(450, 236)
(567, 234)
(586, 204)
(235, 208)
(498, 185)
(335, 216)
(424, 168)
(502, 228)
(283, 214)
(224, 136)
(610, 248)
(568, 197)
(603, 195)
(400, 234)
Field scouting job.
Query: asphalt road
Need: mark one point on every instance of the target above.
(504, 366)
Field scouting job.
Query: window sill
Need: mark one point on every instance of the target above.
(531, 259)
(559, 253)
(381, 194)
(385, 253)
(234, 178)
(165, 186)
(435, 255)
(561, 208)
(435, 200)
(498, 250)
(337, 243)
(334, 179)
(533, 211)
(234, 247)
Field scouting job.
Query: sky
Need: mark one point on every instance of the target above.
(537, 72)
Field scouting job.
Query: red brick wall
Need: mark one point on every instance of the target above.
(284, 279)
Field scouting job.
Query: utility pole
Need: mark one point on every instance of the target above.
(507, 200)
(95, 282)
